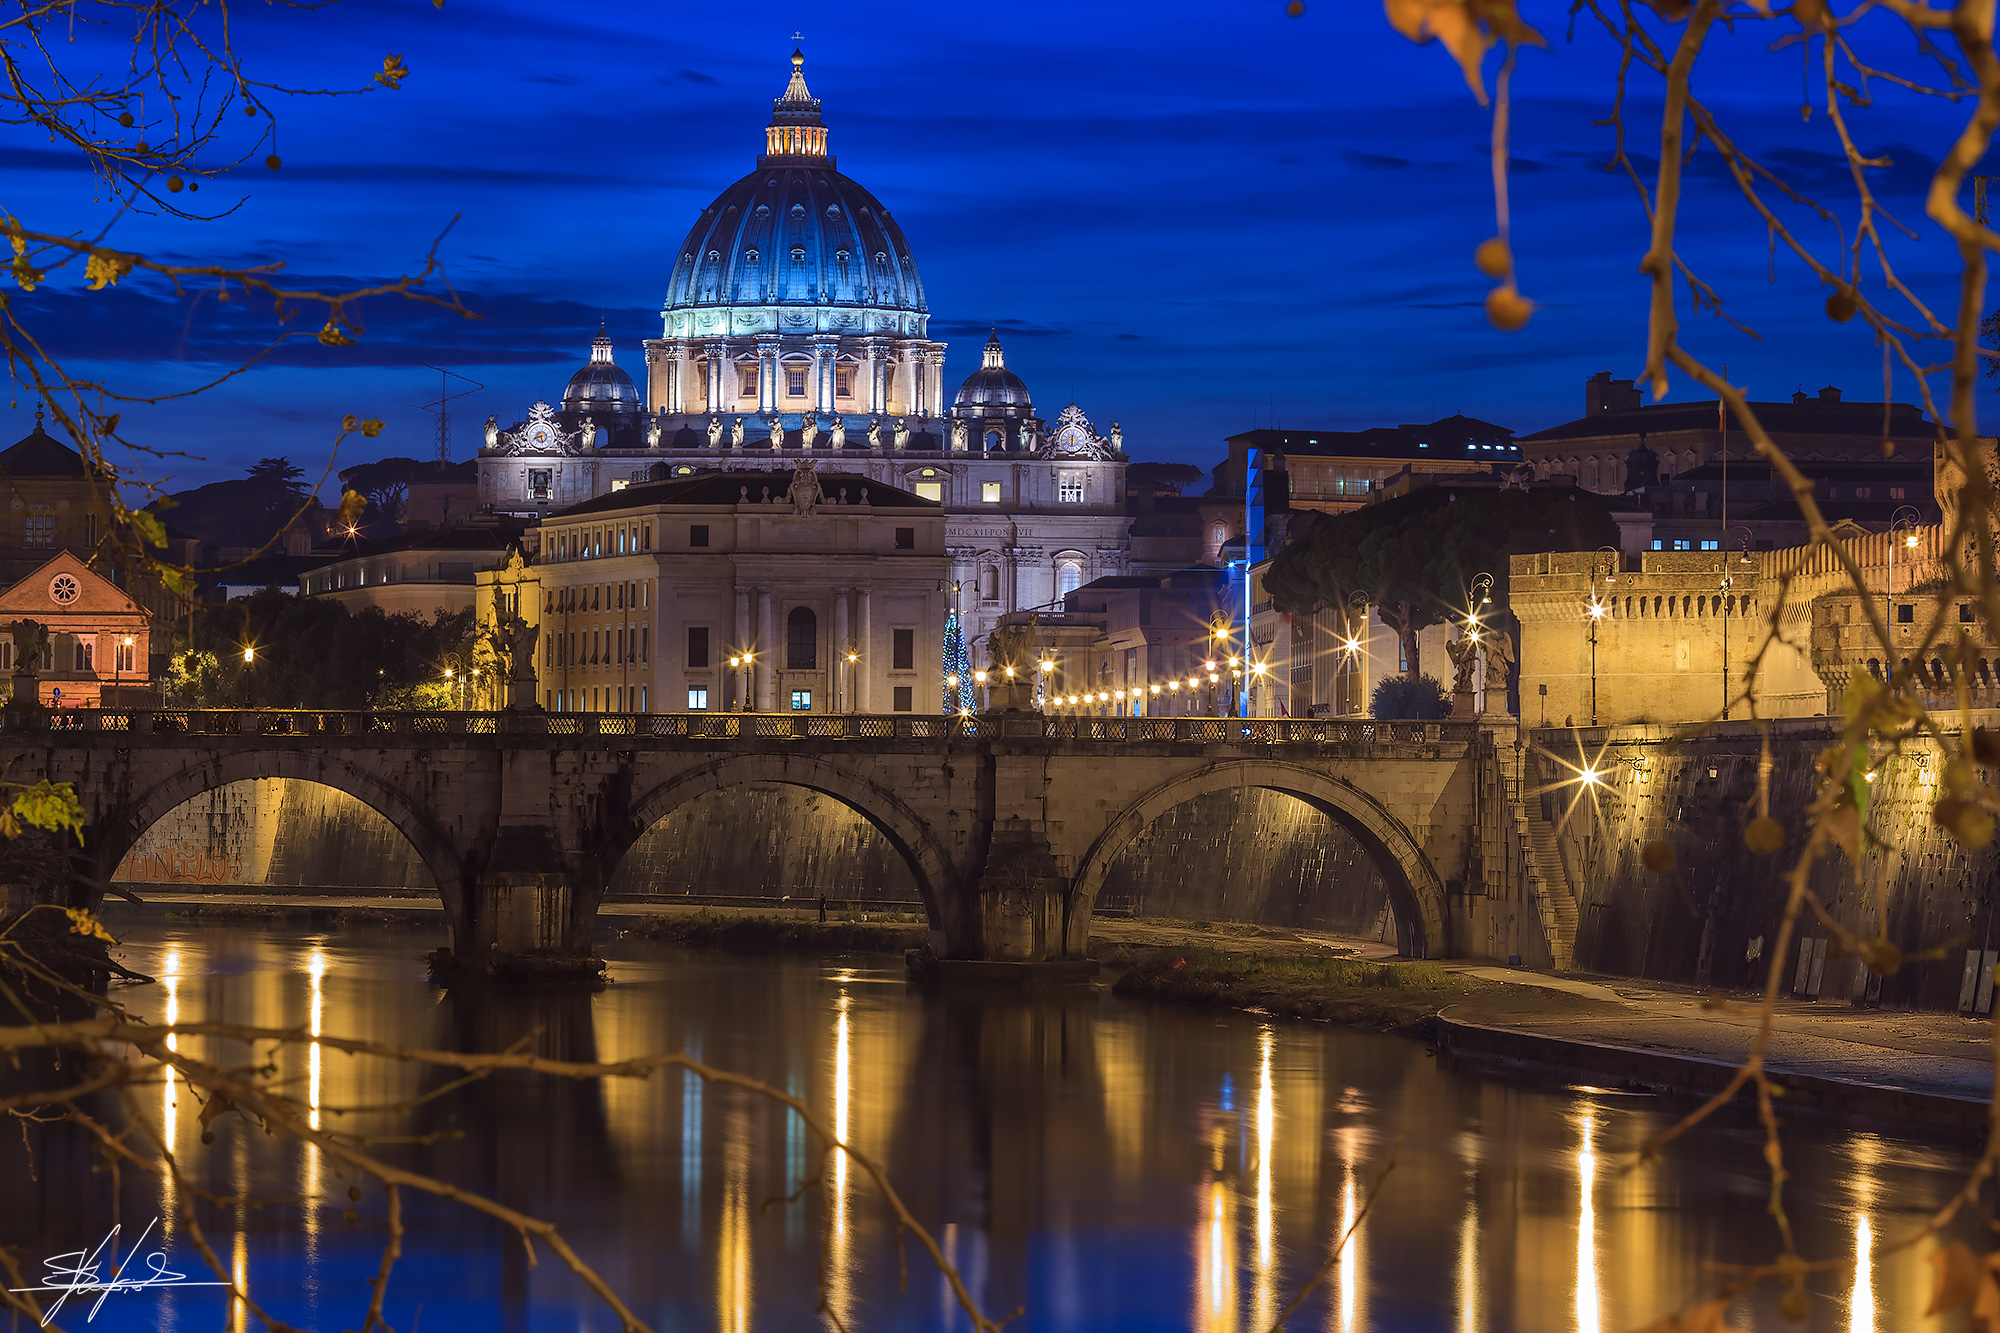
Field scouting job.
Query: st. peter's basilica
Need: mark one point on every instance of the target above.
(795, 326)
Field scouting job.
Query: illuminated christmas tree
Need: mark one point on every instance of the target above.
(957, 668)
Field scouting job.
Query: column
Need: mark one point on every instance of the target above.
(767, 651)
(878, 376)
(672, 356)
(867, 668)
(735, 685)
(826, 353)
(767, 375)
(718, 353)
(843, 692)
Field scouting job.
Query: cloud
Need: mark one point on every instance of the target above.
(1012, 328)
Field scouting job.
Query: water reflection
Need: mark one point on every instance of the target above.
(1108, 1166)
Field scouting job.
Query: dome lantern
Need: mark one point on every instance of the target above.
(796, 134)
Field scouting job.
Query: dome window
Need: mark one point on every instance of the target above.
(841, 255)
(763, 210)
(714, 256)
(833, 210)
(750, 255)
(881, 260)
(798, 254)
(798, 210)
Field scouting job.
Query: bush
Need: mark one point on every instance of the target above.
(1410, 696)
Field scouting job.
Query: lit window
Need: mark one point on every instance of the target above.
(41, 530)
(746, 382)
(795, 383)
(930, 490)
(1659, 545)
(1711, 546)
(989, 492)
(843, 381)
(1683, 544)
(802, 701)
(619, 483)
(1069, 577)
(697, 701)
(1070, 490)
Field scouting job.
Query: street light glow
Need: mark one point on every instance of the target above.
(1588, 777)
(1911, 541)
(1597, 610)
(249, 654)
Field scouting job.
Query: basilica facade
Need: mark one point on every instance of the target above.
(795, 326)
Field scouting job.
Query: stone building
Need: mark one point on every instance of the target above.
(99, 638)
(1597, 447)
(419, 573)
(796, 326)
(791, 591)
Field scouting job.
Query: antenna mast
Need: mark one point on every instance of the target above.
(443, 409)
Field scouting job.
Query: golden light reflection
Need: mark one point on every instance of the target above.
(734, 1286)
(310, 1181)
(1350, 1258)
(316, 969)
(1587, 1320)
(239, 1271)
(170, 977)
(1265, 1308)
(1861, 1306)
(840, 1244)
(1215, 1266)
(1468, 1259)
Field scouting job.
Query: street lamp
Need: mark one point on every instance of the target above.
(1597, 610)
(1904, 521)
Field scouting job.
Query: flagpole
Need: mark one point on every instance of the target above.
(1722, 419)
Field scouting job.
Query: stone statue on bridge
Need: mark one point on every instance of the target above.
(514, 639)
(1464, 652)
(31, 640)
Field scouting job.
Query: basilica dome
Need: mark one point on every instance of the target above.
(795, 247)
(993, 387)
(601, 386)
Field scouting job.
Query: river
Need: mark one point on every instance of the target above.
(1104, 1165)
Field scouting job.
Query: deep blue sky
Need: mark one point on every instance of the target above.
(1192, 218)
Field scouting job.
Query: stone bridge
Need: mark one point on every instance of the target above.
(1008, 821)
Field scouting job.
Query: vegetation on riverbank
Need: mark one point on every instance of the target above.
(1401, 996)
(885, 932)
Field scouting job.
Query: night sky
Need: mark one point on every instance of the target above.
(1190, 218)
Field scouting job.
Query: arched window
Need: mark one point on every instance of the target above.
(801, 639)
(1069, 577)
(1875, 667)
(992, 440)
(989, 584)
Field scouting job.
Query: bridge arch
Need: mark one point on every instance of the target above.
(1414, 886)
(908, 832)
(117, 830)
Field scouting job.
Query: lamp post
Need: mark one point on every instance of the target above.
(1478, 598)
(849, 655)
(1597, 610)
(1904, 521)
(1728, 583)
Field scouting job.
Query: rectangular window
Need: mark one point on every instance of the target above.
(1906, 613)
(1683, 544)
(795, 383)
(645, 641)
(1895, 492)
(906, 539)
(903, 656)
(125, 657)
(698, 534)
(41, 530)
(746, 380)
(86, 654)
(646, 537)
(642, 699)
(90, 529)
(989, 492)
(1070, 490)
(802, 701)
(697, 701)
(1711, 546)
(698, 647)
(930, 490)
(1659, 545)
(843, 381)
(1861, 492)
(902, 699)
(541, 481)
(1965, 613)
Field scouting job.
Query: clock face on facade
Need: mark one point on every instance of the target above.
(540, 435)
(63, 589)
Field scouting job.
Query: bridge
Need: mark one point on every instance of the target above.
(1008, 821)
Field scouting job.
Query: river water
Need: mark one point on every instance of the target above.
(1102, 1164)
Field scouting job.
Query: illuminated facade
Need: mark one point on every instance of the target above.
(796, 325)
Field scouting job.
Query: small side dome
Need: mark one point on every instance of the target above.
(601, 386)
(992, 385)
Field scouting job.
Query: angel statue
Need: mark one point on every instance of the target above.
(958, 435)
(808, 430)
(902, 433)
(874, 432)
(493, 432)
(736, 434)
(653, 431)
(715, 432)
(1464, 652)
(777, 432)
(839, 431)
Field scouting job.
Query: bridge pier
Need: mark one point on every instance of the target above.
(520, 915)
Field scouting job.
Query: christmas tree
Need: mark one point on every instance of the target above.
(957, 668)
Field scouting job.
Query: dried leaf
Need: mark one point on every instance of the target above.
(83, 922)
(1964, 820)
(105, 267)
(1660, 855)
(332, 336)
(1957, 1278)
(1764, 836)
(394, 71)
(1465, 27)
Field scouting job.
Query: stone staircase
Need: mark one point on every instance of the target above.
(1549, 885)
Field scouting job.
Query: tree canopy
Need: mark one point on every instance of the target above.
(314, 653)
(1415, 557)
(1161, 478)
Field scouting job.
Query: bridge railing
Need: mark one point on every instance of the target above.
(364, 725)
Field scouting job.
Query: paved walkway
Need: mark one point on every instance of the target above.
(1926, 1054)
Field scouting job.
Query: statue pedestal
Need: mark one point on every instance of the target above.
(1465, 704)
